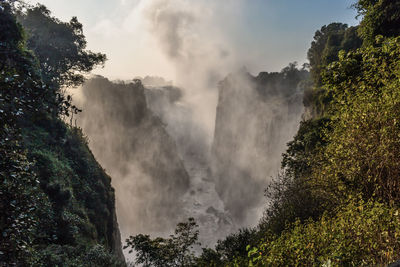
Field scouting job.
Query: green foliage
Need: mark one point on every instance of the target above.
(80, 191)
(380, 17)
(297, 160)
(99, 256)
(22, 92)
(234, 245)
(209, 257)
(73, 256)
(290, 200)
(173, 251)
(328, 41)
(348, 150)
(291, 196)
(59, 47)
(366, 100)
(360, 234)
(57, 204)
(286, 82)
(335, 203)
(20, 201)
(20, 196)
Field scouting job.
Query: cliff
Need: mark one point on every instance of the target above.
(136, 150)
(256, 117)
(78, 213)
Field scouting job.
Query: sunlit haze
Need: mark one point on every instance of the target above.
(263, 35)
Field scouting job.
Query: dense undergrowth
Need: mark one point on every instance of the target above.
(336, 202)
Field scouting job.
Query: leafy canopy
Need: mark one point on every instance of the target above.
(173, 251)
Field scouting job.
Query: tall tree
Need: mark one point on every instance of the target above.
(59, 46)
(327, 43)
(173, 251)
(380, 17)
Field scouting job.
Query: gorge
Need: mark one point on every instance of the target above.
(211, 165)
(163, 167)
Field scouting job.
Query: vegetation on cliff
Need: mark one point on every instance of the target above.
(57, 203)
(336, 200)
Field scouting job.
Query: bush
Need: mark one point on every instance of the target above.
(360, 234)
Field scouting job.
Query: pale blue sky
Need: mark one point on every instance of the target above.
(263, 35)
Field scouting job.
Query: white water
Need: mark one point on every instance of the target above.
(203, 203)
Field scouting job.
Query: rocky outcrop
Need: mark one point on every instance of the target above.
(256, 117)
(132, 144)
(116, 237)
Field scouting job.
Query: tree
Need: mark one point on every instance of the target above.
(234, 245)
(360, 234)
(365, 89)
(173, 251)
(209, 257)
(328, 41)
(21, 95)
(380, 17)
(36, 222)
(59, 47)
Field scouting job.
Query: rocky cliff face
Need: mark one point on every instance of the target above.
(148, 141)
(256, 117)
(134, 147)
(116, 238)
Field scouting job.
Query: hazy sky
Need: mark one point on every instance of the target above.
(263, 35)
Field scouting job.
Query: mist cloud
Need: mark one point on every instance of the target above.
(198, 50)
(146, 159)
